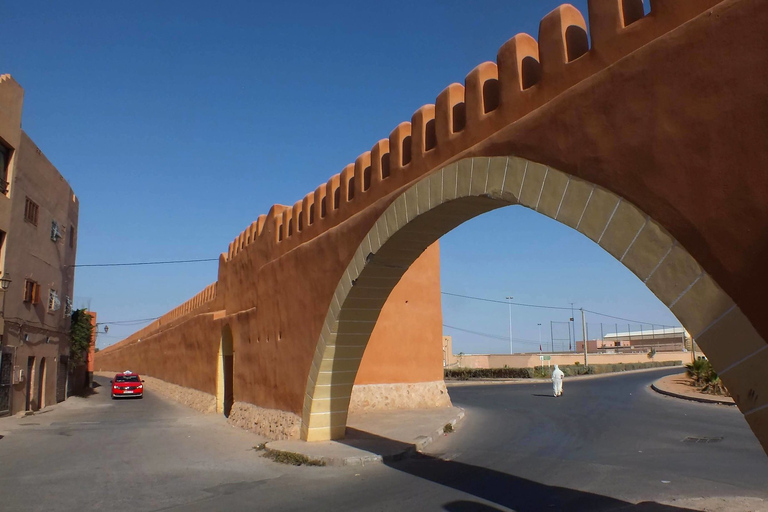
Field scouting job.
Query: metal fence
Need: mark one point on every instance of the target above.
(616, 337)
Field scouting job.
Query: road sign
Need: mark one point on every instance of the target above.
(545, 358)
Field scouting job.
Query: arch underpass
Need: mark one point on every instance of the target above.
(647, 135)
(473, 186)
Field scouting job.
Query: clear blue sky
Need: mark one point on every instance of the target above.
(178, 123)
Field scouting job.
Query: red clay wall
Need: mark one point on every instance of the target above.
(406, 344)
(185, 354)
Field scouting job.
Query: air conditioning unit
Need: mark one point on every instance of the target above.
(56, 231)
(54, 303)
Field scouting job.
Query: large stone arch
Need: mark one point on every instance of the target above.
(472, 186)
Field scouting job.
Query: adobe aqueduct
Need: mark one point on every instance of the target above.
(648, 136)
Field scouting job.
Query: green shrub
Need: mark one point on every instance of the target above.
(488, 373)
(546, 371)
(292, 458)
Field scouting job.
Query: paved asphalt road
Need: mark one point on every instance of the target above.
(607, 444)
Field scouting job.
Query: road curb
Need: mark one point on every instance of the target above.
(691, 398)
(420, 443)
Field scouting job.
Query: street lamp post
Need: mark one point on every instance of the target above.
(509, 301)
(5, 282)
(584, 335)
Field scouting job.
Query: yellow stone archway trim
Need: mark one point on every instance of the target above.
(467, 188)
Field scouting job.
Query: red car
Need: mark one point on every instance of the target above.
(127, 384)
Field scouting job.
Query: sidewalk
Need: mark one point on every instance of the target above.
(678, 386)
(375, 437)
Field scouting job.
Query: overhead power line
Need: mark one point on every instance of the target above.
(136, 264)
(628, 320)
(129, 322)
(492, 336)
(505, 302)
(496, 301)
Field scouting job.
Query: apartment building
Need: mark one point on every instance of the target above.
(38, 243)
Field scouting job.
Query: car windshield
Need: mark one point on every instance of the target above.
(127, 378)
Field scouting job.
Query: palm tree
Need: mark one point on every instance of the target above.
(697, 370)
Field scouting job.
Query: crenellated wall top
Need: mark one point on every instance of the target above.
(527, 73)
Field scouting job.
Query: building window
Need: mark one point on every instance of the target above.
(31, 291)
(30, 211)
(5, 160)
(68, 306)
(54, 303)
(71, 236)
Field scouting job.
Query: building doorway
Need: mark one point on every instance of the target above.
(224, 373)
(41, 385)
(6, 379)
(61, 379)
(30, 368)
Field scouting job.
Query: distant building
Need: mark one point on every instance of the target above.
(38, 243)
(667, 339)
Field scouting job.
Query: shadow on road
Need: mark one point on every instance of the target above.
(469, 506)
(519, 494)
(389, 449)
(88, 391)
(547, 396)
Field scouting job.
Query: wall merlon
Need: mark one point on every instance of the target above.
(333, 196)
(347, 183)
(363, 173)
(450, 115)
(380, 161)
(562, 39)
(297, 211)
(481, 93)
(307, 210)
(251, 233)
(320, 204)
(287, 223)
(274, 221)
(424, 137)
(400, 148)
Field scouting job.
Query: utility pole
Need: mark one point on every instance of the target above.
(693, 344)
(572, 329)
(539, 337)
(551, 335)
(584, 333)
(509, 301)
